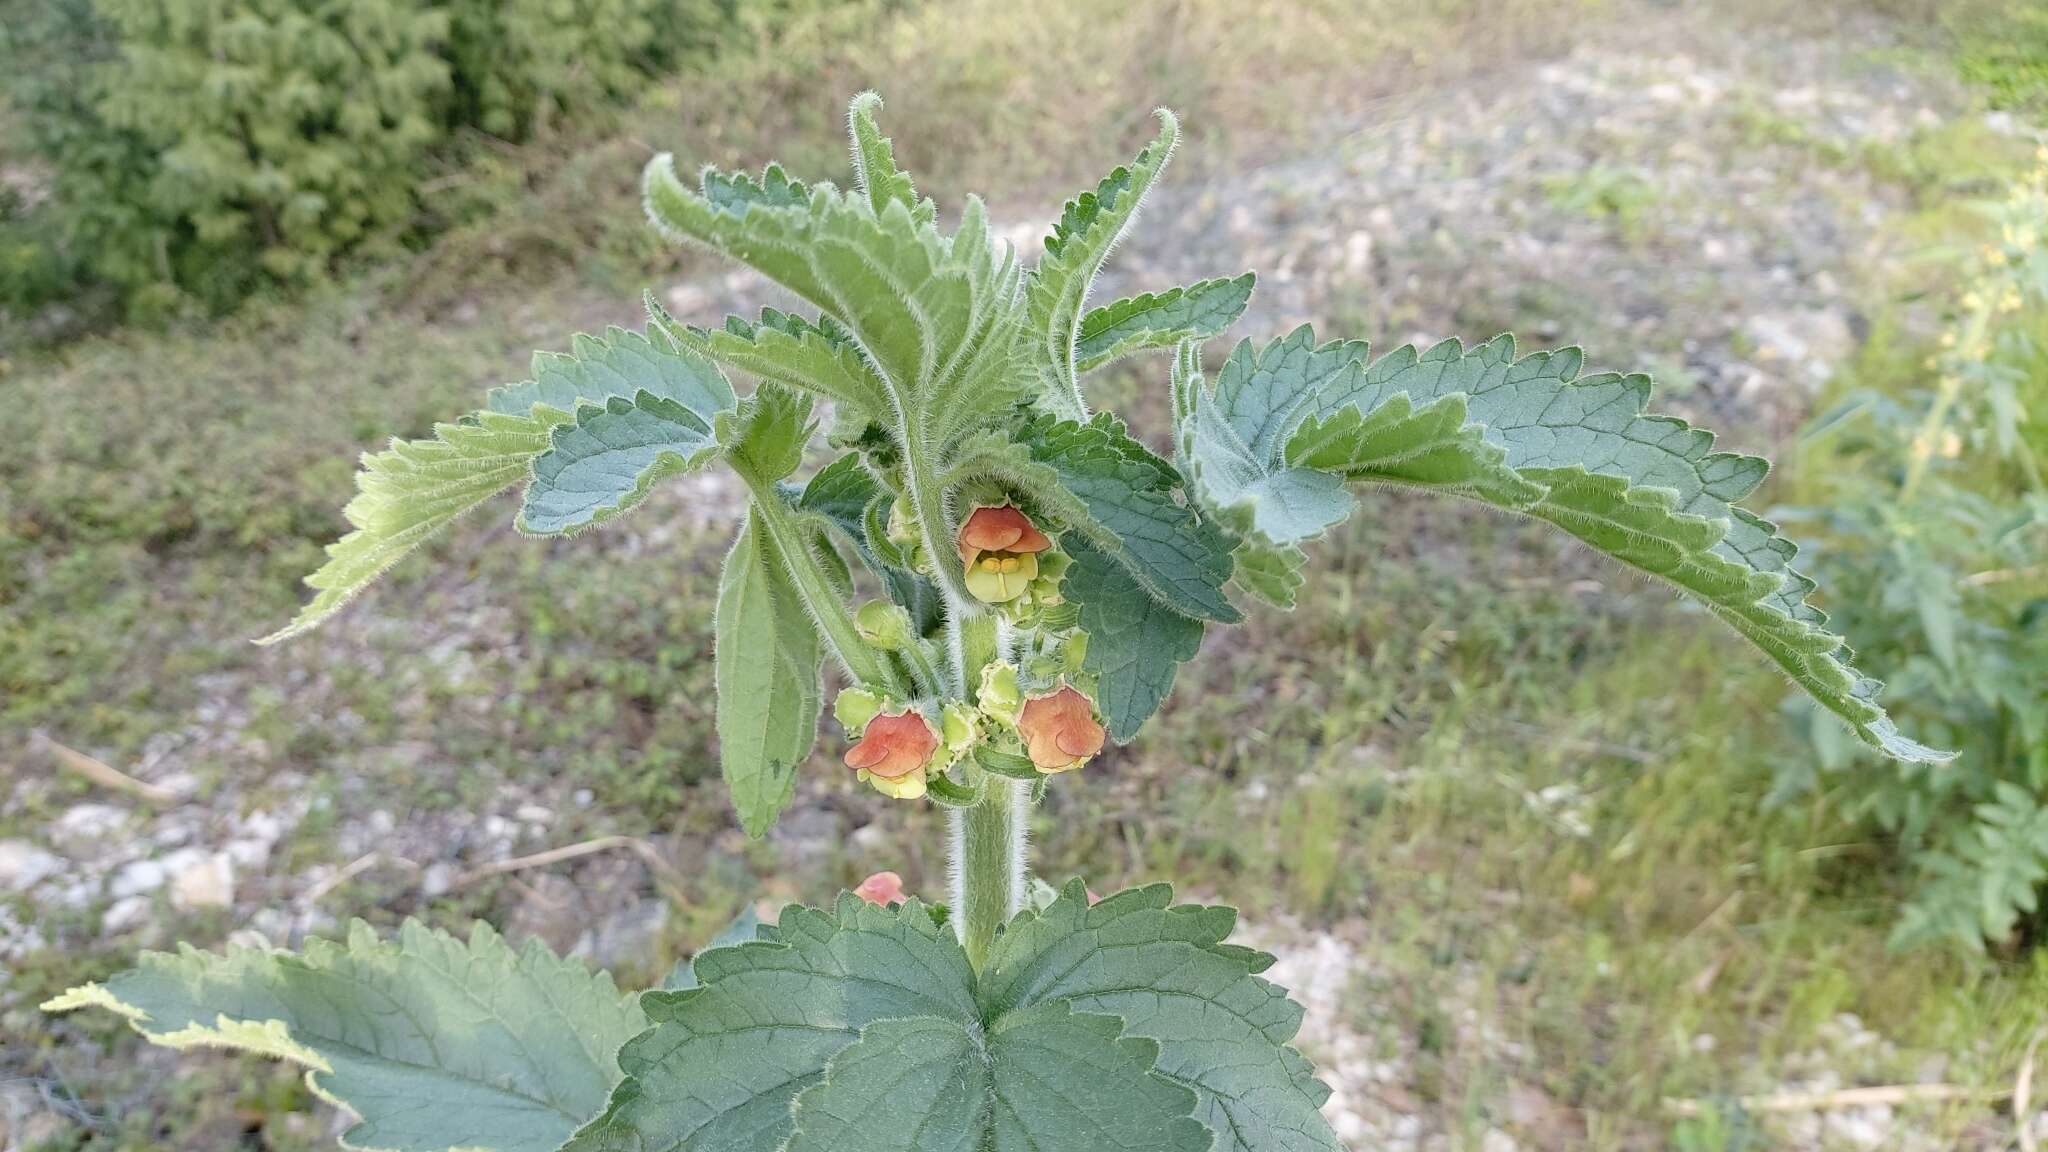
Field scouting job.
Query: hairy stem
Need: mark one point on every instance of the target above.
(988, 849)
(814, 588)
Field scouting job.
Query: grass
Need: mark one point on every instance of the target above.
(1531, 792)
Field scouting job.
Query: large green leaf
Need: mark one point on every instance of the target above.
(1035, 1078)
(767, 660)
(1165, 971)
(606, 462)
(1081, 241)
(1160, 320)
(861, 1029)
(435, 1043)
(1533, 436)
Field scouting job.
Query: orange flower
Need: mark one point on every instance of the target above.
(1059, 730)
(893, 748)
(883, 888)
(999, 549)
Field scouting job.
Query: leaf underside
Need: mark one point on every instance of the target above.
(766, 661)
(1533, 436)
(435, 1043)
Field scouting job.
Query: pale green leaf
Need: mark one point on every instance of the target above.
(817, 357)
(411, 491)
(619, 363)
(1197, 311)
(1135, 644)
(936, 317)
(1533, 436)
(1087, 231)
(764, 438)
(1166, 973)
(1272, 573)
(606, 462)
(874, 162)
(432, 1042)
(767, 660)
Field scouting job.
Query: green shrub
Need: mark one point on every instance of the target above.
(1936, 554)
(204, 149)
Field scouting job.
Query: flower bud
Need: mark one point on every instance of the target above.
(999, 550)
(893, 753)
(854, 707)
(999, 697)
(884, 625)
(1060, 730)
(958, 727)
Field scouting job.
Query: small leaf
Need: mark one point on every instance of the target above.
(816, 357)
(1199, 311)
(606, 462)
(874, 162)
(1271, 573)
(767, 660)
(436, 1044)
(1135, 644)
(764, 438)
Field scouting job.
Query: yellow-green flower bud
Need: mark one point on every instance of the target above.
(854, 707)
(958, 727)
(1000, 696)
(884, 625)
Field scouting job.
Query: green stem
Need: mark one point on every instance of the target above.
(988, 847)
(814, 588)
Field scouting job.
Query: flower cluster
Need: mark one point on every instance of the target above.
(1028, 715)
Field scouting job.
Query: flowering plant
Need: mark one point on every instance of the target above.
(1042, 574)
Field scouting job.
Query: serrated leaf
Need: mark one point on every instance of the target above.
(434, 1043)
(764, 438)
(1164, 970)
(810, 356)
(1533, 436)
(744, 927)
(874, 162)
(767, 661)
(1135, 644)
(606, 462)
(1087, 231)
(1271, 573)
(1197, 311)
(1132, 513)
(1038, 1078)
(619, 363)
(935, 316)
(412, 490)
(723, 1062)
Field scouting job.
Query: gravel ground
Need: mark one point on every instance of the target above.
(1701, 213)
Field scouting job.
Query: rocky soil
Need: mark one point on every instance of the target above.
(1676, 197)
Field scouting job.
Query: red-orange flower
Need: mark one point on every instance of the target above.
(999, 550)
(1059, 730)
(894, 745)
(882, 888)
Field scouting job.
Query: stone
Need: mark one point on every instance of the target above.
(24, 865)
(138, 878)
(207, 882)
(126, 915)
(88, 824)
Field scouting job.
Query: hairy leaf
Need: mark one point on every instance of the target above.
(1166, 973)
(810, 356)
(935, 316)
(606, 462)
(1135, 644)
(1036, 1078)
(767, 660)
(412, 490)
(764, 438)
(435, 1043)
(723, 1063)
(1132, 513)
(1198, 311)
(1533, 436)
(874, 160)
(1081, 241)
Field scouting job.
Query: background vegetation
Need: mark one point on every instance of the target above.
(1569, 860)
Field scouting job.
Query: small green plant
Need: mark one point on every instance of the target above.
(1006, 581)
(1936, 545)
